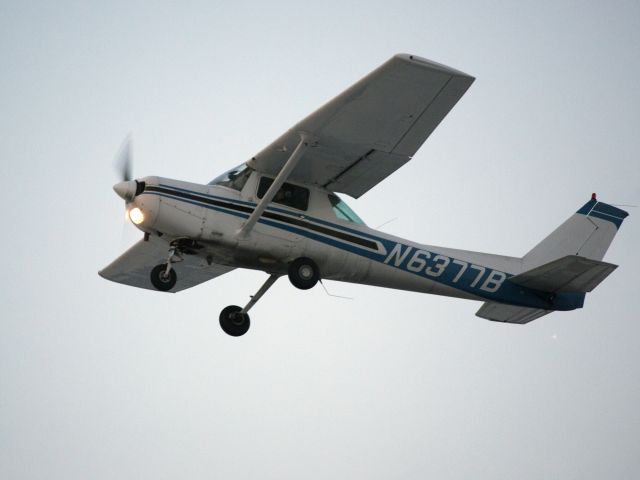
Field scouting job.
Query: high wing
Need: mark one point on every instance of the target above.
(133, 267)
(370, 130)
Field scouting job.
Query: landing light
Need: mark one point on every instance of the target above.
(136, 215)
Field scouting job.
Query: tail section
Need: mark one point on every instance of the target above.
(567, 274)
(587, 233)
(500, 312)
(563, 267)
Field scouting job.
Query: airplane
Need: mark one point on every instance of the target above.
(280, 213)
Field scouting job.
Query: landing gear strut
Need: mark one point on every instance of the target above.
(163, 276)
(235, 320)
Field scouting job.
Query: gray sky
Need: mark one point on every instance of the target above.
(102, 381)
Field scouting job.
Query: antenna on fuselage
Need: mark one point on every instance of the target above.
(331, 295)
(386, 223)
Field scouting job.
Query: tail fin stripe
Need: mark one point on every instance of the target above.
(617, 221)
(610, 210)
(587, 207)
(593, 208)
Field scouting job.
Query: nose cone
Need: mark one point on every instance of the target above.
(126, 190)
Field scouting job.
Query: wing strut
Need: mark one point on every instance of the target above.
(275, 186)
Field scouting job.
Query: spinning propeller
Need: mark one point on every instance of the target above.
(126, 188)
(124, 160)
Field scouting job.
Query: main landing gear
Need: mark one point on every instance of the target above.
(303, 273)
(235, 320)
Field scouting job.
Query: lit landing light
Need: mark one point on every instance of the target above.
(136, 215)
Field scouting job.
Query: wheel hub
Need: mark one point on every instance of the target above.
(305, 272)
(233, 321)
(237, 318)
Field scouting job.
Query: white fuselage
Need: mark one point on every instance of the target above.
(345, 251)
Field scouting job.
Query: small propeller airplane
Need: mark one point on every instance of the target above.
(280, 213)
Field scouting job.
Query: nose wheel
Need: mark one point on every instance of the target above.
(163, 276)
(162, 279)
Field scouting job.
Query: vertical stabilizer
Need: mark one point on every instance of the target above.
(587, 233)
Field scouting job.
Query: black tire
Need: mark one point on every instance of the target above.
(162, 282)
(303, 273)
(233, 322)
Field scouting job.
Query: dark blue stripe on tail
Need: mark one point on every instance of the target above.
(594, 208)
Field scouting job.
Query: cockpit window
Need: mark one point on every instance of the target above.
(235, 178)
(289, 194)
(342, 210)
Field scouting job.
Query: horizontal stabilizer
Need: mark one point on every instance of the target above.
(499, 312)
(567, 274)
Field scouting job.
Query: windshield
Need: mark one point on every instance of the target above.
(342, 210)
(234, 178)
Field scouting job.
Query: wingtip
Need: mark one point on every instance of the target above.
(415, 59)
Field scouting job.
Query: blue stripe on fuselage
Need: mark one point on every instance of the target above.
(475, 275)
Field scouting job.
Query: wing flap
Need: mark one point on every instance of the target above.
(391, 112)
(133, 267)
(567, 274)
(500, 312)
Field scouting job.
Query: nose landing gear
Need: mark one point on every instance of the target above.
(163, 280)
(163, 276)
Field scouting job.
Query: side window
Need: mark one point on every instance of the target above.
(342, 210)
(289, 195)
(235, 178)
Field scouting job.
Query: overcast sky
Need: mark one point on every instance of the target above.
(103, 381)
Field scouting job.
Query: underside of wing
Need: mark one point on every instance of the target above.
(133, 267)
(371, 129)
(499, 312)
